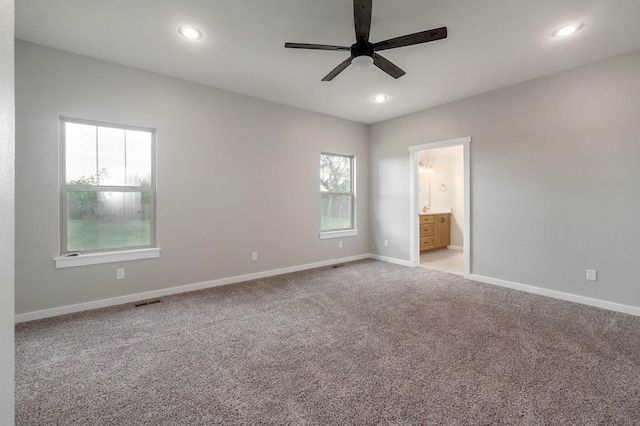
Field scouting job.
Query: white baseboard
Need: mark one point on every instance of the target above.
(132, 298)
(390, 260)
(617, 307)
(459, 248)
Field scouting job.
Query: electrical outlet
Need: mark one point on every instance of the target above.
(339, 244)
(120, 274)
(592, 275)
(254, 255)
(386, 243)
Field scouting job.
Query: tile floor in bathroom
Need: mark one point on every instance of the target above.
(444, 259)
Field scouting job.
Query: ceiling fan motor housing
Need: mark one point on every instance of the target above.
(363, 49)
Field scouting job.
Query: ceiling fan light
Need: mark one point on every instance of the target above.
(362, 62)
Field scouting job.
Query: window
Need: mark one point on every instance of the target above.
(337, 195)
(108, 189)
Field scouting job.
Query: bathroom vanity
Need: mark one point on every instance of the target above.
(435, 231)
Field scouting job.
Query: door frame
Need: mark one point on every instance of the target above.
(414, 184)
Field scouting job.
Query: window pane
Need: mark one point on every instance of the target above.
(335, 173)
(138, 158)
(107, 156)
(81, 156)
(105, 220)
(335, 212)
(111, 160)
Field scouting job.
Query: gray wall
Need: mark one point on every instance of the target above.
(553, 169)
(235, 175)
(554, 179)
(7, 205)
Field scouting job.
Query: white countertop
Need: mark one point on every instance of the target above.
(438, 210)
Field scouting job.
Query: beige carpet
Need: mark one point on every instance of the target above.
(366, 343)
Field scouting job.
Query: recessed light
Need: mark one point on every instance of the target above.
(190, 33)
(380, 98)
(567, 30)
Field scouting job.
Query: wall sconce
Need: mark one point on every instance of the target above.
(425, 168)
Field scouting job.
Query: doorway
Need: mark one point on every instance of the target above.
(440, 185)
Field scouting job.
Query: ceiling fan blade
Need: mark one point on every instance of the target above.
(362, 19)
(387, 66)
(337, 70)
(315, 46)
(408, 40)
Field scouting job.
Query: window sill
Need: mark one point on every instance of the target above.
(109, 257)
(338, 234)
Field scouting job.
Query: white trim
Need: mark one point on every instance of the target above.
(47, 313)
(108, 257)
(325, 235)
(414, 237)
(440, 144)
(390, 260)
(459, 248)
(131, 298)
(611, 306)
(65, 188)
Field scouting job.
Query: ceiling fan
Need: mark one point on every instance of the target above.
(363, 53)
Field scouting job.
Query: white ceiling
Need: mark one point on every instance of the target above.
(491, 44)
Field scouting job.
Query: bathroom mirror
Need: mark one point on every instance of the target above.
(425, 171)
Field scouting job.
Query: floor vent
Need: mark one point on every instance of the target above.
(148, 302)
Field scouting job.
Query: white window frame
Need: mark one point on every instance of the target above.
(347, 232)
(98, 256)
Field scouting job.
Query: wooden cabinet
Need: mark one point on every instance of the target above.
(435, 231)
(443, 230)
(427, 232)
